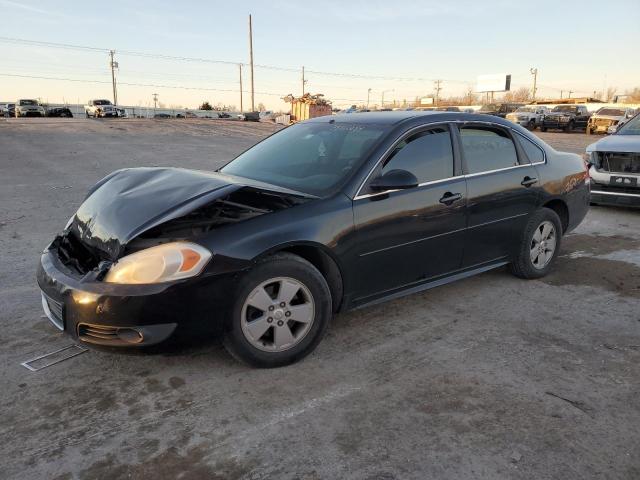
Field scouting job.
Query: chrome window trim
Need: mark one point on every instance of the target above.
(424, 184)
(468, 175)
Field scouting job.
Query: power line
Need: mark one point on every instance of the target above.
(182, 87)
(215, 61)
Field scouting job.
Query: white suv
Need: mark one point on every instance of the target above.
(528, 116)
(101, 108)
(29, 108)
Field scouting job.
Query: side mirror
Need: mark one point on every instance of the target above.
(395, 180)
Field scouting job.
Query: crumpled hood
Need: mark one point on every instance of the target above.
(616, 143)
(129, 202)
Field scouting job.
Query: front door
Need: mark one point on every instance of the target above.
(408, 236)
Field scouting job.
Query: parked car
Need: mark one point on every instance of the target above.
(249, 116)
(101, 108)
(223, 115)
(499, 109)
(614, 166)
(267, 116)
(186, 115)
(29, 108)
(162, 115)
(9, 110)
(606, 119)
(59, 112)
(448, 109)
(327, 215)
(566, 117)
(530, 117)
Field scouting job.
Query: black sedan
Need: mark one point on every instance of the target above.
(59, 112)
(324, 216)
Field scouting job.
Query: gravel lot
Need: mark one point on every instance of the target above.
(492, 377)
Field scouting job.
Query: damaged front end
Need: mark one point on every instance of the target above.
(127, 269)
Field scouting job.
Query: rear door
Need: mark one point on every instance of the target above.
(408, 236)
(502, 191)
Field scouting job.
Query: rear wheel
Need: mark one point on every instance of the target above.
(280, 313)
(539, 246)
(531, 125)
(569, 127)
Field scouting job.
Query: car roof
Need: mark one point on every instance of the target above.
(401, 116)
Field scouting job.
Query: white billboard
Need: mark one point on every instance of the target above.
(500, 82)
(426, 101)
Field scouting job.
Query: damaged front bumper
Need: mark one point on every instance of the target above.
(99, 313)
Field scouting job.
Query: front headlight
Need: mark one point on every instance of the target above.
(163, 263)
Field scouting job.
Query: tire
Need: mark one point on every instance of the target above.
(543, 129)
(523, 265)
(589, 131)
(531, 125)
(311, 296)
(569, 127)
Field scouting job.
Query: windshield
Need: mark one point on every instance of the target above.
(565, 108)
(615, 112)
(28, 102)
(632, 127)
(526, 109)
(101, 102)
(311, 158)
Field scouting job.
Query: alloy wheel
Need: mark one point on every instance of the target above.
(543, 245)
(277, 314)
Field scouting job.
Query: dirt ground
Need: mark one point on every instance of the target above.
(488, 378)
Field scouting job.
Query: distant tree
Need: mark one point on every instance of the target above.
(611, 91)
(205, 106)
(261, 107)
(634, 95)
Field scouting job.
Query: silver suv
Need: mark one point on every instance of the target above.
(614, 166)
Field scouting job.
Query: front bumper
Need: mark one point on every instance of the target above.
(555, 124)
(621, 199)
(100, 313)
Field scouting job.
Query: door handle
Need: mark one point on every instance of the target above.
(448, 198)
(528, 181)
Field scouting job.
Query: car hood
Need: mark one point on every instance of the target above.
(607, 117)
(131, 201)
(616, 143)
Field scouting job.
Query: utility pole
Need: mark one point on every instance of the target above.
(534, 72)
(240, 66)
(113, 64)
(368, 95)
(570, 92)
(253, 109)
(382, 97)
(561, 92)
(437, 88)
(303, 81)
(155, 102)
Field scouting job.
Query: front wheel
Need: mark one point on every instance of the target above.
(539, 246)
(569, 127)
(280, 312)
(531, 125)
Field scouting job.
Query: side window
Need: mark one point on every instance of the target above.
(534, 152)
(487, 148)
(428, 155)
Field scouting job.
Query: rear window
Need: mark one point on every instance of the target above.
(533, 151)
(487, 148)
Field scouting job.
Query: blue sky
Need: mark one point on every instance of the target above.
(576, 45)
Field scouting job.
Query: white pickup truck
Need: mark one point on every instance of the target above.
(529, 116)
(101, 108)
